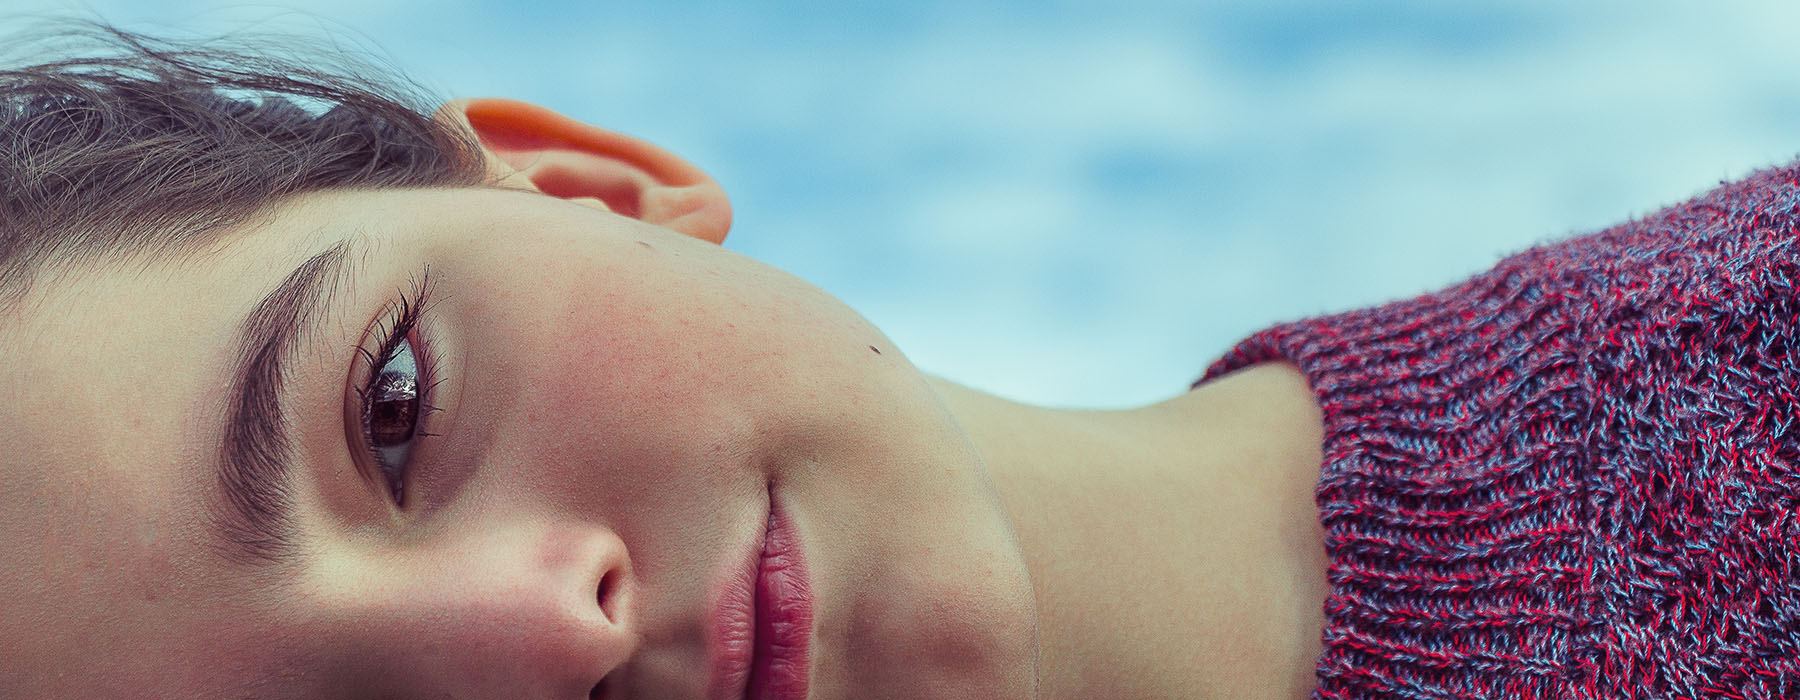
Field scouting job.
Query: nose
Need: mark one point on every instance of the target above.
(585, 635)
(538, 611)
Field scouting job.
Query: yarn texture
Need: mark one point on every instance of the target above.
(1575, 475)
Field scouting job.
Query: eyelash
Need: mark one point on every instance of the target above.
(397, 325)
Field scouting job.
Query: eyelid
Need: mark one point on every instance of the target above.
(399, 321)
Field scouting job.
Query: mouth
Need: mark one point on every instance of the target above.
(784, 612)
(761, 636)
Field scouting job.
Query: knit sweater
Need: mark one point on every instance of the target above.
(1575, 475)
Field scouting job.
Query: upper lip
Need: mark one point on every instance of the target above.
(784, 613)
(731, 634)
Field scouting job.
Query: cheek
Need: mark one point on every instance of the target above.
(630, 347)
(471, 639)
(644, 386)
(656, 387)
(619, 408)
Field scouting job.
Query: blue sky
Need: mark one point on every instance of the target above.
(1084, 204)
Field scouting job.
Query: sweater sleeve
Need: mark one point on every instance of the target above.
(1575, 475)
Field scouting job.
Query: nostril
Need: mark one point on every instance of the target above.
(607, 596)
(599, 691)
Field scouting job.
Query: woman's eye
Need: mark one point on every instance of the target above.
(391, 413)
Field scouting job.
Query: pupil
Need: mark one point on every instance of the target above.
(393, 409)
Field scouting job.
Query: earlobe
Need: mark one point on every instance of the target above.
(536, 149)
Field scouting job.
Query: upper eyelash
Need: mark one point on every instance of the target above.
(398, 320)
(396, 324)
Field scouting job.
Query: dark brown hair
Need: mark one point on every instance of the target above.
(129, 144)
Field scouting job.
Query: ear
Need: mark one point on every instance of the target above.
(536, 149)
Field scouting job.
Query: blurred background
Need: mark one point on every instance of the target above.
(1084, 204)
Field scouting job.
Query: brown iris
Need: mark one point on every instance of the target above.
(392, 411)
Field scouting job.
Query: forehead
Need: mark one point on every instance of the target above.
(99, 382)
(111, 374)
(114, 369)
(111, 397)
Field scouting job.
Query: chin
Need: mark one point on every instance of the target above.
(920, 583)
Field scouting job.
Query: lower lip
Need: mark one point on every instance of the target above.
(784, 613)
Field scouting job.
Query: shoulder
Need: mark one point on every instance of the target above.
(1716, 248)
(1693, 370)
(1708, 284)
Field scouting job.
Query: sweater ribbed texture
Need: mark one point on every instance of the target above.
(1575, 475)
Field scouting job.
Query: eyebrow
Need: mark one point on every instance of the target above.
(255, 521)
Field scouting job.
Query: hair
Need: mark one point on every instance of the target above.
(149, 146)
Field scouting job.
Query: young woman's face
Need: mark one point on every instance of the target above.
(607, 410)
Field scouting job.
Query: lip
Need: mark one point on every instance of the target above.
(760, 638)
(784, 613)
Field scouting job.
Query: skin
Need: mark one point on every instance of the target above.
(620, 395)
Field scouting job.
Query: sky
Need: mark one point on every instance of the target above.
(1084, 204)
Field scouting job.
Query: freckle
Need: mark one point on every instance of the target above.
(871, 347)
(646, 245)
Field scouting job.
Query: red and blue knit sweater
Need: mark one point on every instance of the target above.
(1575, 475)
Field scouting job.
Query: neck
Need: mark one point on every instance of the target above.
(1174, 549)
